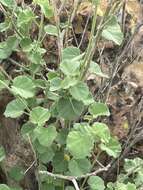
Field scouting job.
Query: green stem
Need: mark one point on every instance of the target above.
(92, 46)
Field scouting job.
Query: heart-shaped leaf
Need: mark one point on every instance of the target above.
(39, 115)
(23, 86)
(15, 108)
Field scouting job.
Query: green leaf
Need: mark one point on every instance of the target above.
(4, 187)
(2, 153)
(132, 164)
(59, 163)
(131, 186)
(45, 136)
(79, 167)
(25, 17)
(7, 3)
(112, 148)
(27, 129)
(89, 100)
(70, 67)
(15, 108)
(55, 84)
(139, 178)
(52, 74)
(25, 44)
(68, 82)
(62, 136)
(70, 53)
(8, 46)
(23, 86)
(84, 128)
(95, 69)
(69, 109)
(112, 31)
(51, 30)
(36, 58)
(16, 173)
(128, 186)
(101, 131)
(79, 144)
(47, 156)
(98, 109)
(96, 183)
(38, 147)
(80, 91)
(45, 7)
(50, 186)
(39, 115)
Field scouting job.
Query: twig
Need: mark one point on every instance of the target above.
(70, 178)
(33, 163)
(74, 178)
(76, 3)
(62, 6)
(75, 184)
(84, 31)
(57, 20)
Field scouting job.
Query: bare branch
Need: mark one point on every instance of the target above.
(75, 184)
(70, 178)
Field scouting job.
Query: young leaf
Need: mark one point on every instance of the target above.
(96, 183)
(98, 109)
(45, 136)
(79, 167)
(69, 109)
(39, 115)
(23, 86)
(15, 108)
(2, 153)
(112, 148)
(112, 31)
(51, 30)
(79, 91)
(79, 145)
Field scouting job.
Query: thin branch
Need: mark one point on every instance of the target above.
(70, 178)
(29, 168)
(57, 20)
(75, 184)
